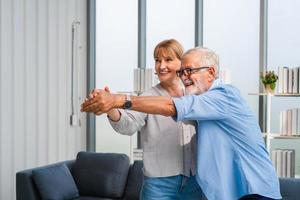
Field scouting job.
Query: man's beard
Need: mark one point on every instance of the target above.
(197, 88)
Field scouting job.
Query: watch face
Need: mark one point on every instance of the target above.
(127, 104)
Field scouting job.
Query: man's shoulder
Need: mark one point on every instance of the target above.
(226, 87)
(226, 90)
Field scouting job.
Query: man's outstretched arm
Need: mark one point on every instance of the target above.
(104, 101)
(154, 105)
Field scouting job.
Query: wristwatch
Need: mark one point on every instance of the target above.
(128, 103)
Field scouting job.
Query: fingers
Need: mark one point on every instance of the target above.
(96, 90)
(86, 104)
(98, 102)
(94, 93)
(89, 108)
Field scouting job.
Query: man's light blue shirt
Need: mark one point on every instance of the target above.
(232, 160)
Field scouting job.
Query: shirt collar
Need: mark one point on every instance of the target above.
(215, 83)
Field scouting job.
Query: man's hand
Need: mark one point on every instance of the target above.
(100, 102)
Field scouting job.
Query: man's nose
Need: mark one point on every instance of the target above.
(185, 73)
(184, 77)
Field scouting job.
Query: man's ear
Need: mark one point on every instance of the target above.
(212, 72)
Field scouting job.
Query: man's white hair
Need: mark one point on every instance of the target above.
(208, 57)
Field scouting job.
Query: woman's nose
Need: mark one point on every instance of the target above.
(162, 64)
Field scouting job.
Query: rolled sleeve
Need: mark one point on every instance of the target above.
(129, 123)
(118, 125)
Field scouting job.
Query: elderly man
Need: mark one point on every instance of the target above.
(232, 161)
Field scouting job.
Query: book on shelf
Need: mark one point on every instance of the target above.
(290, 165)
(298, 79)
(278, 165)
(285, 80)
(137, 79)
(137, 154)
(284, 162)
(298, 121)
(295, 80)
(294, 121)
(288, 80)
(144, 79)
(289, 122)
(283, 123)
(142, 87)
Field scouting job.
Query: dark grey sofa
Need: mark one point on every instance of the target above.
(98, 176)
(290, 188)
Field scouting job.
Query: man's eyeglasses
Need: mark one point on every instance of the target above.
(189, 71)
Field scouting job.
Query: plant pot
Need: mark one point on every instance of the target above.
(270, 87)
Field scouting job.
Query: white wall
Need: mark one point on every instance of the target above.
(35, 72)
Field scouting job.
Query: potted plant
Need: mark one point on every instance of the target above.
(269, 79)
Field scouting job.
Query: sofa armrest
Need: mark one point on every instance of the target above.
(25, 186)
(134, 181)
(290, 188)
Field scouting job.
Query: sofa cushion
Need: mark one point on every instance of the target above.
(55, 182)
(101, 174)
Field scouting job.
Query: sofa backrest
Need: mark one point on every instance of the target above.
(101, 174)
(26, 188)
(290, 188)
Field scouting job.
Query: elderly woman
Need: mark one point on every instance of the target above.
(169, 147)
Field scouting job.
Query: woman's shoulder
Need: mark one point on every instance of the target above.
(156, 90)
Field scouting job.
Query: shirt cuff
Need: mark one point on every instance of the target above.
(179, 105)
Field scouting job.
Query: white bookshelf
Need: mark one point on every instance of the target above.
(278, 136)
(268, 132)
(276, 94)
(269, 135)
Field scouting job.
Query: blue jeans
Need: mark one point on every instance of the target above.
(255, 197)
(171, 188)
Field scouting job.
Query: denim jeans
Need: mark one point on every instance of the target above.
(255, 197)
(171, 188)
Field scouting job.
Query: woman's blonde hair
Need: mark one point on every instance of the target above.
(172, 46)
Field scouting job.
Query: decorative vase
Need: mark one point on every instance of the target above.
(270, 87)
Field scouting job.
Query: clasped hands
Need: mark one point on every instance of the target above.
(99, 102)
